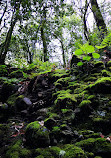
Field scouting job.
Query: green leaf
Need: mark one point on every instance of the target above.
(100, 47)
(86, 58)
(79, 64)
(87, 48)
(95, 55)
(78, 52)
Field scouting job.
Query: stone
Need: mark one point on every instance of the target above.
(22, 103)
(37, 135)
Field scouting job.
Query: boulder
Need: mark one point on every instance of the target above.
(22, 103)
(37, 135)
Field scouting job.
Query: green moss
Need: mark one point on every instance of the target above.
(60, 73)
(85, 103)
(3, 69)
(64, 99)
(81, 95)
(102, 80)
(91, 97)
(37, 133)
(106, 73)
(109, 103)
(53, 115)
(80, 89)
(12, 99)
(109, 64)
(16, 150)
(40, 156)
(33, 125)
(102, 85)
(63, 80)
(50, 152)
(20, 97)
(89, 154)
(64, 111)
(73, 152)
(73, 85)
(91, 78)
(97, 119)
(56, 129)
(95, 145)
(89, 134)
(98, 64)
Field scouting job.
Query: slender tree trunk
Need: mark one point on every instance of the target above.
(63, 54)
(4, 46)
(44, 44)
(30, 57)
(3, 13)
(43, 36)
(86, 33)
(98, 18)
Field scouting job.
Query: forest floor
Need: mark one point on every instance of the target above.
(58, 114)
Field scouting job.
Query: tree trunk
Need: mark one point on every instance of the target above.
(44, 44)
(63, 54)
(4, 46)
(98, 18)
(86, 33)
(43, 36)
(3, 13)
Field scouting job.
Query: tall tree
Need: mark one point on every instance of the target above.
(98, 18)
(43, 36)
(5, 45)
(20, 11)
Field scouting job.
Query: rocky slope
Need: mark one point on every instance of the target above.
(60, 114)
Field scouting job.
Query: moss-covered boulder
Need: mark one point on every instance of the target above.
(7, 90)
(22, 103)
(50, 152)
(65, 100)
(37, 135)
(99, 146)
(16, 150)
(102, 85)
(72, 151)
(62, 82)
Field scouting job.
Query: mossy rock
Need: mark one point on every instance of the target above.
(50, 152)
(85, 103)
(102, 123)
(3, 133)
(99, 146)
(79, 97)
(73, 151)
(7, 90)
(65, 100)
(58, 73)
(36, 134)
(109, 64)
(91, 78)
(109, 103)
(17, 151)
(62, 82)
(11, 100)
(53, 115)
(106, 73)
(89, 134)
(102, 85)
(18, 73)
(4, 112)
(91, 97)
(98, 64)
